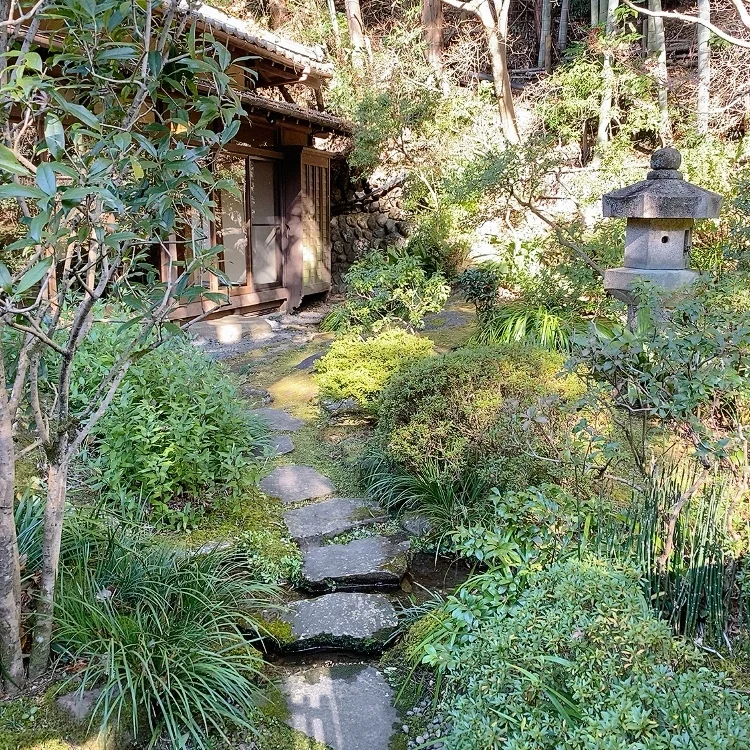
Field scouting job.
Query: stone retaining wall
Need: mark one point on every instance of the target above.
(364, 218)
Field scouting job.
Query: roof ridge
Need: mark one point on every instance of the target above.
(300, 54)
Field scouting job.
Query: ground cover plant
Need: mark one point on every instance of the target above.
(359, 368)
(577, 660)
(176, 437)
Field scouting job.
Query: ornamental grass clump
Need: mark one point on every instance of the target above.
(167, 635)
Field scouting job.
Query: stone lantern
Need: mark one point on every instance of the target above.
(660, 213)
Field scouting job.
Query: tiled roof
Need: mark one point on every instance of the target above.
(266, 43)
(286, 109)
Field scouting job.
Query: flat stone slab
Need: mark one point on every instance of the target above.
(292, 484)
(352, 621)
(308, 362)
(281, 445)
(346, 706)
(279, 420)
(330, 518)
(231, 329)
(374, 562)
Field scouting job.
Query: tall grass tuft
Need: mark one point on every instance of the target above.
(686, 587)
(166, 634)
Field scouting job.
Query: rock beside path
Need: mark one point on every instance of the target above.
(292, 484)
(375, 562)
(330, 518)
(347, 621)
(346, 706)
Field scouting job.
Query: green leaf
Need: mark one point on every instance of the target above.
(6, 280)
(54, 135)
(45, 178)
(9, 163)
(84, 115)
(33, 276)
(33, 60)
(22, 191)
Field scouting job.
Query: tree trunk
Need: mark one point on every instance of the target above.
(356, 30)
(57, 485)
(594, 13)
(562, 32)
(334, 25)
(544, 59)
(432, 24)
(11, 657)
(496, 41)
(658, 48)
(704, 68)
(605, 109)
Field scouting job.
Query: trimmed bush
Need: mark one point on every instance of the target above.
(579, 662)
(472, 410)
(359, 368)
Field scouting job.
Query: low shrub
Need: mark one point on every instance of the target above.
(578, 661)
(386, 289)
(359, 368)
(176, 431)
(473, 411)
(166, 634)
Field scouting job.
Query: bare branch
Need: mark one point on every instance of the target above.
(691, 19)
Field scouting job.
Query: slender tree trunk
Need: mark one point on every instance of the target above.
(57, 485)
(432, 24)
(608, 76)
(562, 31)
(594, 13)
(544, 59)
(658, 48)
(334, 25)
(356, 30)
(497, 32)
(11, 657)
(704, 68)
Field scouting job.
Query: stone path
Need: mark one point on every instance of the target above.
(347, 706)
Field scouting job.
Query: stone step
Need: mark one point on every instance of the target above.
(231, 329)
(344, 621)
(330, 518)
(345, 706)
(292, 484)
(374, 562)
(278, 419)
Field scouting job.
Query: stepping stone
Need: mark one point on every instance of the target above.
(291, 484)
(278, 419)
(281, 445)
(308, 362)
(346, 706)
(356, 622)
(231, 329)
(375, 562)
(331, 517)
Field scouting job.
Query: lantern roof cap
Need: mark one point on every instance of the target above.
(664, 194)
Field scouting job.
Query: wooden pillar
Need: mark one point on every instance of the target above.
(293, 264)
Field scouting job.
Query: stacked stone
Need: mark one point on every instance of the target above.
(364, 221)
